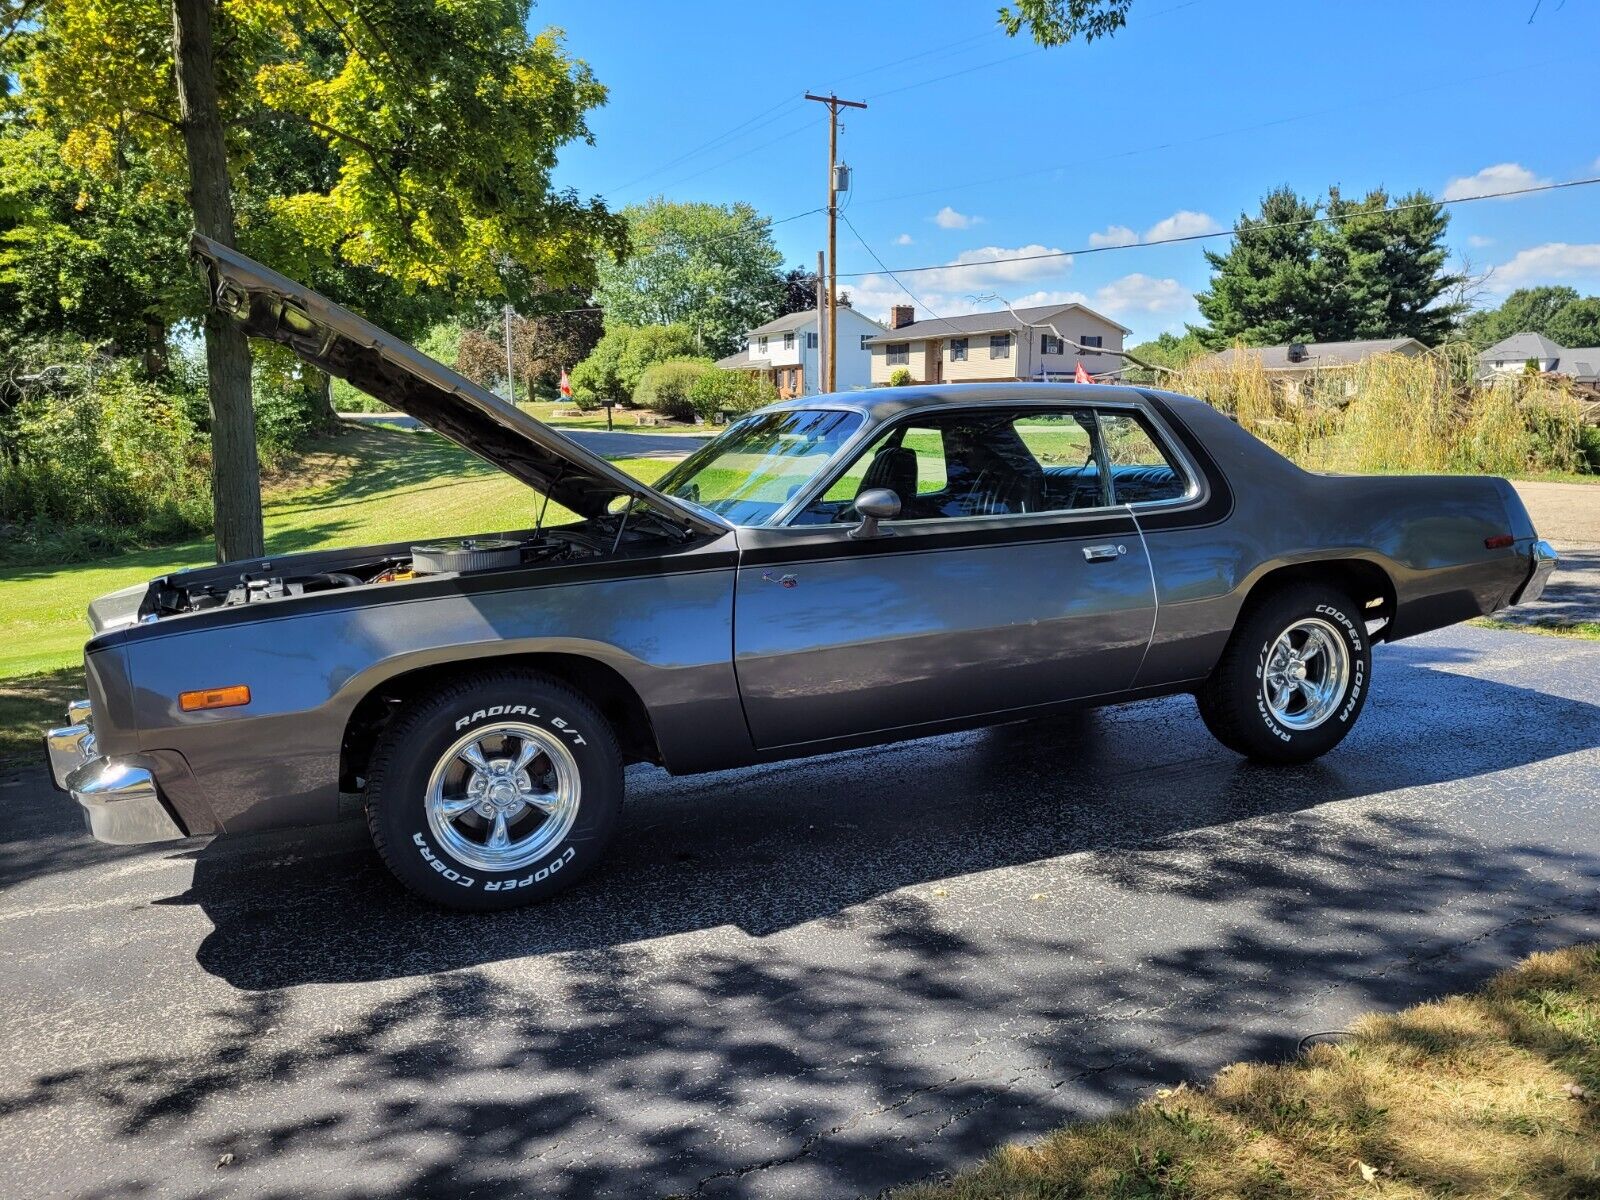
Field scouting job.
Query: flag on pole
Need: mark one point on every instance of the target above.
(1078, 376)
(566, 384)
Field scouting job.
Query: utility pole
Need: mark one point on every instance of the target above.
(834, 105)
(824, 346)
(511, 378)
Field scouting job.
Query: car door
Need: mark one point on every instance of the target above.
(1009, 580)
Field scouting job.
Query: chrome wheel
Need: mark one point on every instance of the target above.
(1307, 671)
(502, 796)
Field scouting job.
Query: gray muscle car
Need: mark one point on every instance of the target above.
(829, 572)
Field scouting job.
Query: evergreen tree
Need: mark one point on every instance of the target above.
(1265, 288)
(1368, 268)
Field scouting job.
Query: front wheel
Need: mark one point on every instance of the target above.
(498, 790)
(1293, 678)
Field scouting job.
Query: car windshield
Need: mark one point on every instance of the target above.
(748, 473)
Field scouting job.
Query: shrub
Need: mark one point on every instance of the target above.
(730, 393)
(664, 386)
(97, 457)
(616, 366)
(899, 377)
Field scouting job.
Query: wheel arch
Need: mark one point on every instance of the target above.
(1366, 581)
(601, 683)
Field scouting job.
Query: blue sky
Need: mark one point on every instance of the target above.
(977, 146)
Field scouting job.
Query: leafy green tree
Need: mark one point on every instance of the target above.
(89, 254)
(597, 379)
(1334, 270)
(712, 268)
(1559, 313)
(437, 125)
(1169, 350)
(1056, 22)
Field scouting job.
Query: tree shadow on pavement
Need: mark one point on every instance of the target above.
(770, 848)
(822, 1012)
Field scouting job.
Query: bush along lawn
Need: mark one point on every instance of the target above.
(1493, 1094)
(361, 487)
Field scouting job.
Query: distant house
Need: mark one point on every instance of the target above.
(786, 351)
(1031, 343)
(1512, 355)
(1299, 362)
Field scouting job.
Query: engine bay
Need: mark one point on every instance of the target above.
(455, 556)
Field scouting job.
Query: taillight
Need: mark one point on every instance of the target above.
(1498, 542)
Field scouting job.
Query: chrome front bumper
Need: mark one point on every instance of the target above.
(1544, 564)
(121, 804)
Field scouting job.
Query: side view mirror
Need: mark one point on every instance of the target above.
(872, 506)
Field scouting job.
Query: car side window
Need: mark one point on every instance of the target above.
(1141, 471)
(999, 462)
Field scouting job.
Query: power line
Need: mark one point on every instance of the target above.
(1196, 237)
(720, 139)
(1215, 134)
(915, 299)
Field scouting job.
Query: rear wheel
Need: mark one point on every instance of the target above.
(497, 791)
(1293, 678)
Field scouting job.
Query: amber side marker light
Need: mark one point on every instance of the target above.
(223, 697)
(1498, 542)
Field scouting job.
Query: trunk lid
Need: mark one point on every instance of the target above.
(333, 339)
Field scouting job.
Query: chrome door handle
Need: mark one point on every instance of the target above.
(787, 581)
(1103, 553)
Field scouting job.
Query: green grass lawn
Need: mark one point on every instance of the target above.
(364, 486)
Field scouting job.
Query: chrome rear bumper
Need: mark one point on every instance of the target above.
(120, 801)
(1544, 564)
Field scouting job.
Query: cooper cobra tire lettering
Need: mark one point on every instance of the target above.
(539, 876)
(438, 864)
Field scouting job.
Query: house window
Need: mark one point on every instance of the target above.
(864, 338)
(788, 341)
(958, 349)
(761, 343)
(1091, 341)
(897, 354)
(1049, 343)
(1000, 345)
(811, 341)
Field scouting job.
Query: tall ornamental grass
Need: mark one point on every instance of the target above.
(1394, 413)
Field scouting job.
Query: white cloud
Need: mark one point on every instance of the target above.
(1114, 235)
(903, 240)
(1041, 298)
(958, 288)
(1139, 293)
(949, 218)
(1183, 223)
(1477, 241)
(1553, 262)
(1502, 177)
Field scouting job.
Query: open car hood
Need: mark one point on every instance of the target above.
(335, 340)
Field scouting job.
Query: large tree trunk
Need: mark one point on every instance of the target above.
(235, 468)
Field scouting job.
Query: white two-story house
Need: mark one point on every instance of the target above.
(786, 350)
(996, 347)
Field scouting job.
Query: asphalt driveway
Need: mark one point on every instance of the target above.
(803, 980)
